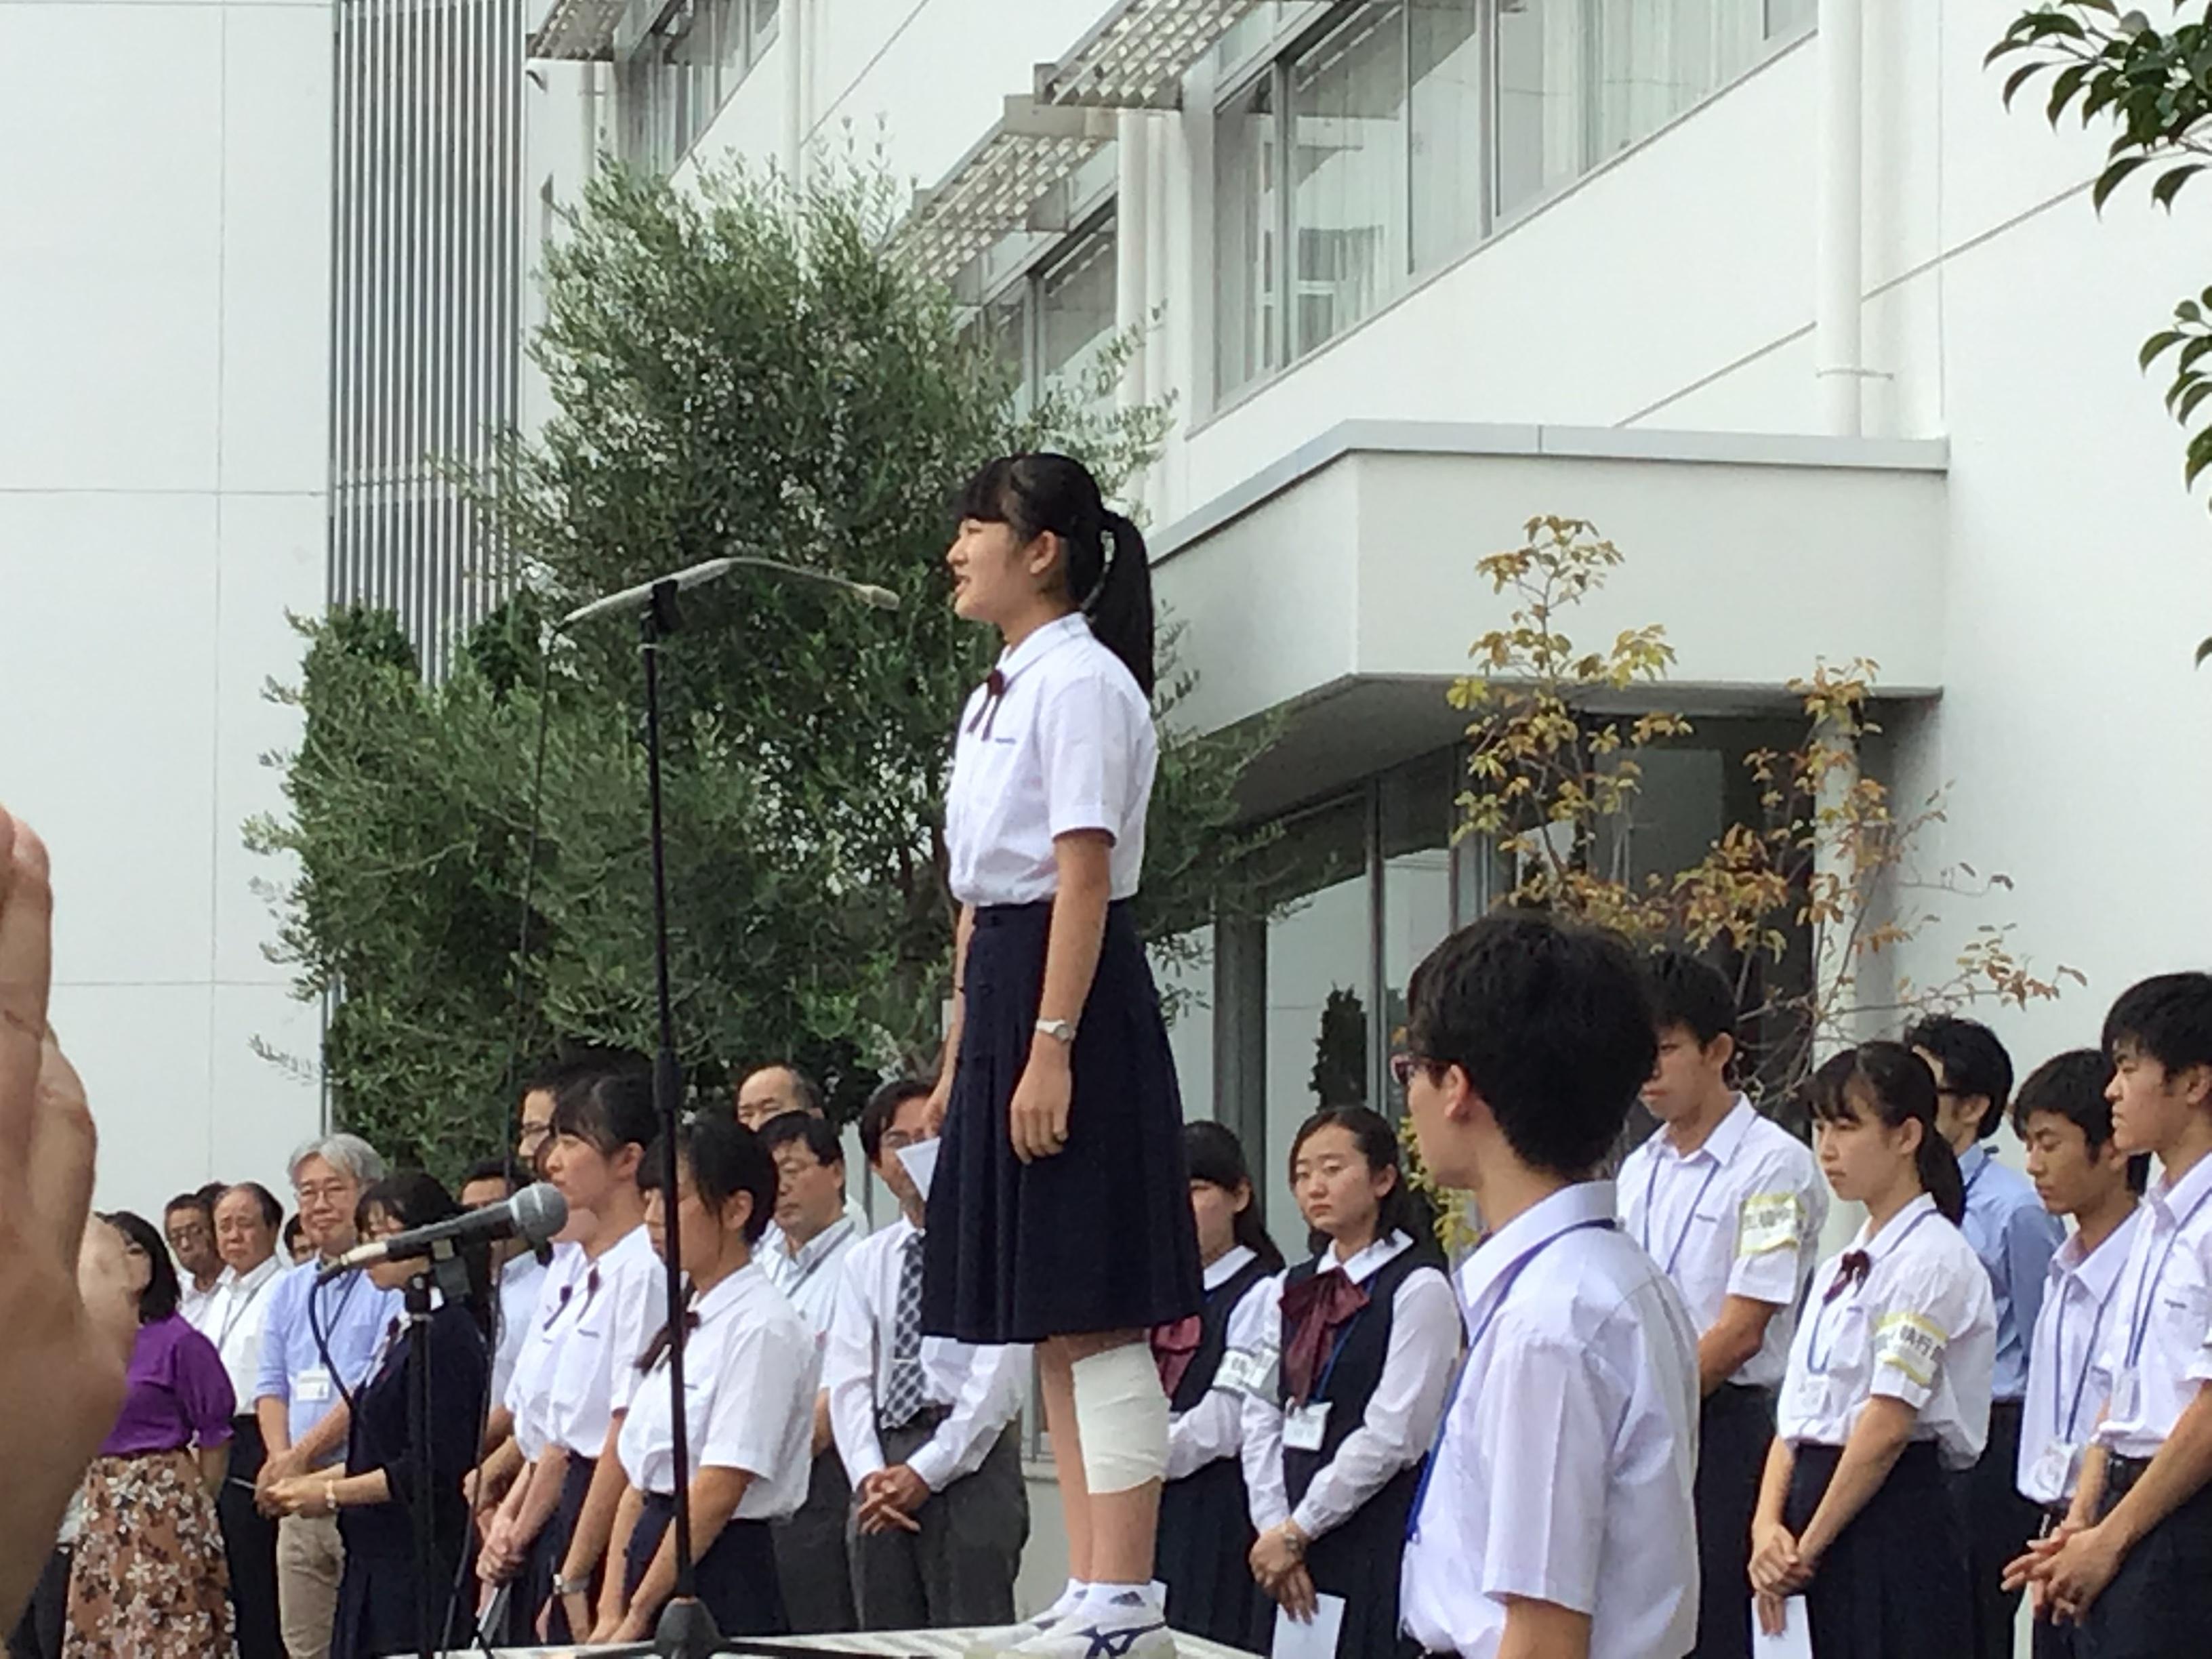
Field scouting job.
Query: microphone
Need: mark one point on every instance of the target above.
(534, 1215)
(632, 599)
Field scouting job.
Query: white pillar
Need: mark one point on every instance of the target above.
(791, 32)
(1132, 227)
(1836, 251)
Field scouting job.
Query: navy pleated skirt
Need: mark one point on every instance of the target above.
(1099, 1238)
(736, 1577)
(1894, 1584)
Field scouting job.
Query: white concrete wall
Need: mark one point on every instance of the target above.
(163, 389)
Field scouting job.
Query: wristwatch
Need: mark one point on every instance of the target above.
(572, 1586)
(1061, 1030)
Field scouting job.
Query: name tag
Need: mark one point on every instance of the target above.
(2127, 1396)
(2054, 1468)
(1305, 1426)
(1768, 1221)
(312, 1388)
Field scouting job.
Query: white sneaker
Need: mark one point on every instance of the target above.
(1004, 1638)
(1127, 1626)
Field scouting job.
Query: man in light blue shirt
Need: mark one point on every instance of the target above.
(297, 1397)
(2015, 1238)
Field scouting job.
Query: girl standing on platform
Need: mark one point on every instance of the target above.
(1367, 1333)
(751, 1372)
(1888, 1385)
(374, 1497)
(1060, 1210)
(1206, 1362)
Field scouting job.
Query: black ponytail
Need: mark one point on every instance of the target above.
(1217, 1156)
(1888, 1082)
(1110, 575)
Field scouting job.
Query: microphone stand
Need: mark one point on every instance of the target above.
(450, 1273)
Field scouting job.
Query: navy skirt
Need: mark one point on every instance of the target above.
(1099, 1238)
(736, 1577)
(1894, 1584)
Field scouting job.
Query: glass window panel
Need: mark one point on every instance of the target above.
(1417, 877)
(1539, 101)
(1654, 61)
(1185, 976)
(1446, 106)
(1787, 18)
(1318, 994)
(765, 13)
(1247, 176)
(1349, 112)
(1076, 306)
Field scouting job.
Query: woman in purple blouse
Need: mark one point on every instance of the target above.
(149, 1577)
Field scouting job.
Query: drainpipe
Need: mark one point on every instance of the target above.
(1837, 250)
(1131, 230)
(792, 30)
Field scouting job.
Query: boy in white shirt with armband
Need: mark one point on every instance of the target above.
(1555, 1518)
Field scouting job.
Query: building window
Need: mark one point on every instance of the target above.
(678, 62)
(1055, 320)
(1379, 140)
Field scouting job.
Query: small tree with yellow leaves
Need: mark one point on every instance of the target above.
(1807, 906)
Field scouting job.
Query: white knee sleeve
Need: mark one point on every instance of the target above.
(1121, 1413)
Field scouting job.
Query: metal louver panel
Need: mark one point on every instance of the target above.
(426, 289)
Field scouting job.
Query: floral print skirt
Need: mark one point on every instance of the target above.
(150, 1580)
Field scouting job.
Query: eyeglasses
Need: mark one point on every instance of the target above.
(1402, 1068)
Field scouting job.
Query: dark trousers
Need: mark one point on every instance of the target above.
(2046, 1639)
(249, 1538)
(811, 1557)
(2159, 1605)
(959, 1569)
(1734, 1432)
(1999, 1524)
(38, 1633)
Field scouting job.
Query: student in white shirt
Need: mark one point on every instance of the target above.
(521, 1272)
(2132, 1564)
(2065, 1121)
(927, 1427)
(602, 1125)
(750, 1374)
(1365, 1335)
(246, 1219)
(1555, 1520)
(1729, 1206)
(813, 1235)
(1206, 1362)
(1888, 1385)
(1060, 1211)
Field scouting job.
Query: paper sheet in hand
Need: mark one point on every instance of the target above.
(921, 1163)
(1315, 1641)
(1795, 1641)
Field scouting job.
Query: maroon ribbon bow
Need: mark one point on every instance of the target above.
(1851, 1270)
(1174, 1347)
(994, 693)
(1313, 1310)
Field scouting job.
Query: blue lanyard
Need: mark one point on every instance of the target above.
(2147, 1289)
(1980, 1169)
(1817, 1363)
(1504, 1288)
(1335, 1353)
(2081, 1381)
(1688, 1221)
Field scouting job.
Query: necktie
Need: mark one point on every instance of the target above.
(905, 1391)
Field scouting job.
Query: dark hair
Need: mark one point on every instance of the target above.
(2168, 1019)
(1888, 1082)
(805, 1092)
(724, 1159)
(1216, 1157)
(1974, 1063)
(198, 1200)
(1040, 492)
(213, 1192)
(294, 1230)
(882, 1106)
(814, 1133)
(414, 1199)
(1401, 1210)
(159, 1299)
(1553, 1025)
(273, 1212)
(2072, 1085)
(489, 1168)
(1689, 993)
(610, 1108)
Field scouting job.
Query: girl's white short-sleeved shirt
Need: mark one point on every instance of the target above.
(1059, 740)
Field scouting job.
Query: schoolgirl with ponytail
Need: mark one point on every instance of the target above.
(1059, 1211)
(1888, 1385)
(1367, 1334)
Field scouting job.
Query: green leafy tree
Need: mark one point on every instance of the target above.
(2156, 84)
(733, 370)
(1340, 1067)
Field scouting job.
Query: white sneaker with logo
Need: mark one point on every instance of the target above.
(1109, 1623)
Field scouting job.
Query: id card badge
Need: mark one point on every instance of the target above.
(2127, 1395)
(1305, 1426)
(2054, 1468)
(312, 1387)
